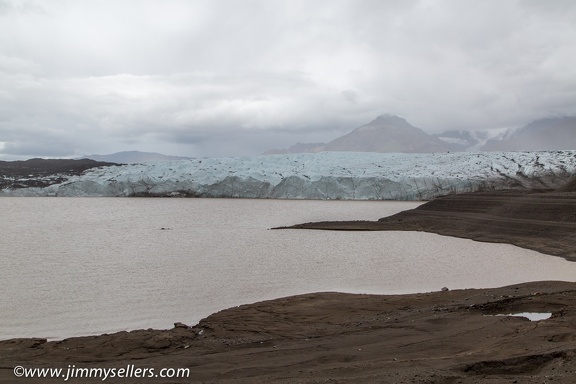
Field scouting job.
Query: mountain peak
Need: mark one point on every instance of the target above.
(390, 118)
(389, 121)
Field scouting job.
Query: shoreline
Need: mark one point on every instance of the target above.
(541, 221)
(442, 336)
(434, 337)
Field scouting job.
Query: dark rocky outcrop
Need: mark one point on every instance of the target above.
(43, 172)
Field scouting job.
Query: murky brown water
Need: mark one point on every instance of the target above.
(78, 266)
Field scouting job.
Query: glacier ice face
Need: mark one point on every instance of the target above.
(327, 175)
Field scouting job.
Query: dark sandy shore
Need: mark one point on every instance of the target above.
(437, 337)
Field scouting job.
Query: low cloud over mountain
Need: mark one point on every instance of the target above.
(545, 134)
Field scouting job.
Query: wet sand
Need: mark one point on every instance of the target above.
(449, 336)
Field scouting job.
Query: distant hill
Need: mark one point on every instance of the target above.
(545, 134)
(131, 157)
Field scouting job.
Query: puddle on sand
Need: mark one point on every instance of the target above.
(532, 316)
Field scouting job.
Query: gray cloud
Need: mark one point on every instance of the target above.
(222, 77)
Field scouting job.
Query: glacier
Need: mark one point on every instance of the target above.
(325, 175)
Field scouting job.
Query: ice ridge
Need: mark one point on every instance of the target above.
(327, 175)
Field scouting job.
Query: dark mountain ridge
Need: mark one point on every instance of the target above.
(390, 133)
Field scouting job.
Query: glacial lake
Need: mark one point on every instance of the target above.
(82, 266)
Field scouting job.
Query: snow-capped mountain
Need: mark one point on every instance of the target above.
(460, 140)
(327, 175)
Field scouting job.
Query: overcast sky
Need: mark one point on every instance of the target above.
(237, 77)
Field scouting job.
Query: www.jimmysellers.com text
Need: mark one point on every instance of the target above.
(74, 372)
